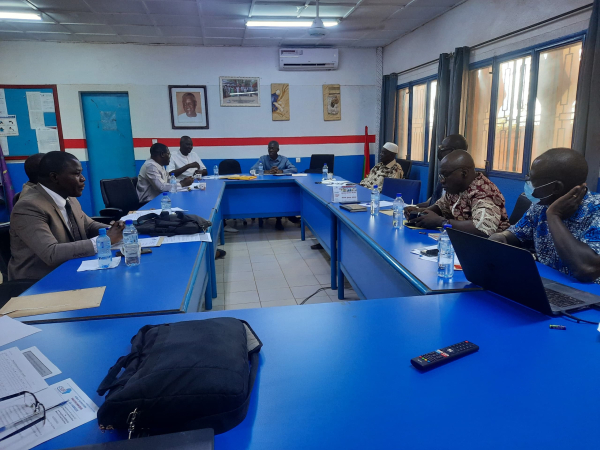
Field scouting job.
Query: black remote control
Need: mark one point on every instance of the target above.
(443, 356)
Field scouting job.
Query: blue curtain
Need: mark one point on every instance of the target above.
(389, 110)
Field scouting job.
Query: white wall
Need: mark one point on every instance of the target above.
(146, 71)
(477, 21)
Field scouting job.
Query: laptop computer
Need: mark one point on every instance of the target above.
(512, 273)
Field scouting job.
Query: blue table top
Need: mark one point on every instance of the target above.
(338, 375)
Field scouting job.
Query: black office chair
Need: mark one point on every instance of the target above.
(410, 189)
(317, 161)
(119, 197)
(9, 289)
(521, 207)
(406, 166)
(229, 167)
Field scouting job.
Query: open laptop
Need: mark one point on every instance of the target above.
(511, 272)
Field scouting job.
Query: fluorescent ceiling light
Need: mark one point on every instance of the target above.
(288, 23)
(19, 16)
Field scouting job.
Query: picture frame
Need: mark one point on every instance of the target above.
(332, 102)
(189, 107)
(239, 91)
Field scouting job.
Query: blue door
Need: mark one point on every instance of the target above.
(109, 140)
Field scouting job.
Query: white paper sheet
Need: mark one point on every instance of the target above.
(92, 264)
(47, 100)
(198, 237)
(3, 108)
(36, 114)
(8, 125)
(17, 374)
(417, 251)
(40, 363)
(382, 204)
(149, 242)
(12, 330)
(47, 140)
(77, 410)
(299, 174)
(4, 145)
(137, 214)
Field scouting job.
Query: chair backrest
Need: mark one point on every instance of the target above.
(4, 249)
(317, 161)
(134, 180)
(406, 166)
(410, 189)
(119, 193)
(229, 167)
(521, 207)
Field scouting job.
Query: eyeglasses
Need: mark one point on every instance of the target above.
(27, 410)
(443, 177)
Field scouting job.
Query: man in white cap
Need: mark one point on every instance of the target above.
(387, 167)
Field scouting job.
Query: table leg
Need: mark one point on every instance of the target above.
(208, 295)
(222, 234)
(340, 274)
(302, 229)
(333, 249)
(212, 270)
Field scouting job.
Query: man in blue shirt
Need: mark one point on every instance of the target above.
(273, 162)
(563, 223)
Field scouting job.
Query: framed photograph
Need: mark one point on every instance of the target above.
(280, 101)
(332, 102)
(189, 108)
(239, 91)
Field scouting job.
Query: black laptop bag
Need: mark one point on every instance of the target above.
(182, 376)
(172, 224)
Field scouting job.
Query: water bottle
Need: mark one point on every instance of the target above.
(103, 247)
(216, 170)
(261, 170)
(173, 184)
(325, 171)
(398, 212)
(445, 255)
(131, 247)
(375, 201)
(165, 203)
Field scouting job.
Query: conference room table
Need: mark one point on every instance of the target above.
(338, 375)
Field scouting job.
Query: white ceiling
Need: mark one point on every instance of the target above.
(365, 23)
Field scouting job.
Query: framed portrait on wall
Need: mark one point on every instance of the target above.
(239, 91)
(189, 109)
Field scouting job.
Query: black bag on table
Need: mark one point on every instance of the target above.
(172, 224)
(182, 376)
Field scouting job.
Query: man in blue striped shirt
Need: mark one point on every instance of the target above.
(273, 162)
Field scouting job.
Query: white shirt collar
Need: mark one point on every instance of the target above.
(60, 202)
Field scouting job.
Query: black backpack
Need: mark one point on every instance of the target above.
(171, 224)
(182, 376)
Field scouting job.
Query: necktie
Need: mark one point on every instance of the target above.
(73, 222)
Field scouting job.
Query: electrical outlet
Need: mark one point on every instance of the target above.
(297, 159)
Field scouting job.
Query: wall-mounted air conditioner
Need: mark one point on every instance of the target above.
(308, 58)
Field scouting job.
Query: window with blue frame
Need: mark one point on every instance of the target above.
(522, 104)
(416, 103)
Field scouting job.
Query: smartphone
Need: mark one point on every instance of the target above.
(432, 252)
(145, 251)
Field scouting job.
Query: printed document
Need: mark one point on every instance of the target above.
(198, 237)
(17, 374)
(92, 264)
(40, 363)
(12, 330)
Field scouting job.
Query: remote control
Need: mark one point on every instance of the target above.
(443, 356)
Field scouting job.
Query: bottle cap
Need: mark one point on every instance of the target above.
(129, 222)
(447, 225)
(375, 186)
(102, 231)
(398, 195)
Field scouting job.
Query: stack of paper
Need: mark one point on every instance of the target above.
(135, 215)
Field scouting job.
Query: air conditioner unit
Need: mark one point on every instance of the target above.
(308, 59)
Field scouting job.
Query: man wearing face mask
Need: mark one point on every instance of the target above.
(563, 224)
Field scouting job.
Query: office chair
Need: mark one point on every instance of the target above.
(229, 167)
(406, 166)
(410, 189)
(119, 197)
(521, 207)
(9, 289)
(317, 161)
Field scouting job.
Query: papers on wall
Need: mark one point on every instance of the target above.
(12, 330)
(198, 237)
(47, 140)
(382, 204)
(8, 125)
(135, 215)
(17, 374)
(36, 114)
(4, 145)
(47, 100)
(92, 264)
(3, 108)
(67, 407)
(40, 363)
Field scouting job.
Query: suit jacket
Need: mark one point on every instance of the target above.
(41, 240)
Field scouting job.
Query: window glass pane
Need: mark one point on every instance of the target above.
(478, 113)
(555, 102)
(432, 91)
(511, 114)
(403, 103)
(417, 143)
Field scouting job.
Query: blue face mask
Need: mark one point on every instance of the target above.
(528, 191)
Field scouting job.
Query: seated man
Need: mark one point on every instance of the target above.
(47, 226)
(387, 167)
(471, 202)
(153, 179)
(273, 162)
(31, 167)
(563, 223)
(185, 163)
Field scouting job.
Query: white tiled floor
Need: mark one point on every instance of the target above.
(265, 267)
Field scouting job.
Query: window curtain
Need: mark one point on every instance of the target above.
(586, 132)
(389, 110)
(459, 72)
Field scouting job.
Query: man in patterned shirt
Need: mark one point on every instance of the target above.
(387, 167)
(563, 224)
(470, 203)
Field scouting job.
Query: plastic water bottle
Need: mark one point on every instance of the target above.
(216, 170)
(445, 255)
(103, 247)
(398, 212)
(325, 171)
(131, 246)
(165, 203)
(173, 184)
(261, 170)
(375, 201)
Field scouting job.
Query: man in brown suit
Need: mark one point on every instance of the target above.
(47, 226)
